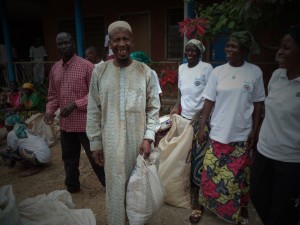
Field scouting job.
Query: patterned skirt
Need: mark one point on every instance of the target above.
(197, 155)
(225, 179)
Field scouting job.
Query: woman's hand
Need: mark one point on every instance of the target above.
(174, 110)
(252, 140)
(202, 135)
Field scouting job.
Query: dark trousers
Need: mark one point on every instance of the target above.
(71, 145)
(274, 188)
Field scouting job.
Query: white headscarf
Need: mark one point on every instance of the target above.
(198, 44)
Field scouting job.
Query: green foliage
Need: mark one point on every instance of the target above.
(253, 15)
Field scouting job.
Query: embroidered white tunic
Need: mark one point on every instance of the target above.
(123, 109)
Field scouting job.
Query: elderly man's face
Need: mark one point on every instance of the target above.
(121, 43)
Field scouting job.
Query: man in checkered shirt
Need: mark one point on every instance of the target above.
(69, 83)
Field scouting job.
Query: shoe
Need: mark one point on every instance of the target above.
(195, 216)
(243, 220)
(73, 189)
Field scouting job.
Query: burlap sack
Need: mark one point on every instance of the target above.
(175, 166)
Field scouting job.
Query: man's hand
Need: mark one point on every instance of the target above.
(145, 148)
(49, 119)
(98, 157)
(68, 109)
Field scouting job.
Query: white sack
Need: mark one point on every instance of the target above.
(9, 214)
(145, 194)
(56, 208)
(175, 166)
(36, 124)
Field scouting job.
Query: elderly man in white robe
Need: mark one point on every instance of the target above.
(122, 117)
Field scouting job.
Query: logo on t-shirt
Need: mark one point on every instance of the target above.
(198, 81)
(247, 87)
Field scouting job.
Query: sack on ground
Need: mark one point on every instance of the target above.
(36, 124)
(145, 194)
(175, 166)
(9, 214)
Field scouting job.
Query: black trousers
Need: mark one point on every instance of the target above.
(274, 188)
(71, 145)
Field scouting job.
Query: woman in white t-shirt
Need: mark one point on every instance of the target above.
(192, 78)
(275, 172)
(236, 92)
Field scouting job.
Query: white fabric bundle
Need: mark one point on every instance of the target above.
(145, 194)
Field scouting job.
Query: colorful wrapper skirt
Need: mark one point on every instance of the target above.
(225, 179)
(197, 157)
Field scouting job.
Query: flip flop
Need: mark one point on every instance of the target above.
(243, 221)
(30, 171)
(195, 216)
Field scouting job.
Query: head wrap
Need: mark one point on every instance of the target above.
(140, 56)
(198, 44)
(19, 129)
(294, 31)
(246, 40)
(12, 120)
(119, 24)
(28, 86)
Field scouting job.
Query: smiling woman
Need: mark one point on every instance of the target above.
(236, 92)
(275, 174)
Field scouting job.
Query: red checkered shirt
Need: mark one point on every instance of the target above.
(69, 82)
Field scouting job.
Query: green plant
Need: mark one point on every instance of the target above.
(253, 15)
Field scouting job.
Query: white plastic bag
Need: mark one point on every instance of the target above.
(145, 194)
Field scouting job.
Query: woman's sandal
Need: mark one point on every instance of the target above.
(196, 216)
(244, 217)
(243, 221)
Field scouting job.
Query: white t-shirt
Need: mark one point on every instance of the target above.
(37, 53)
(32, 143)
(279, 137)
(233, 89)
(191, 83)
(110, 52)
